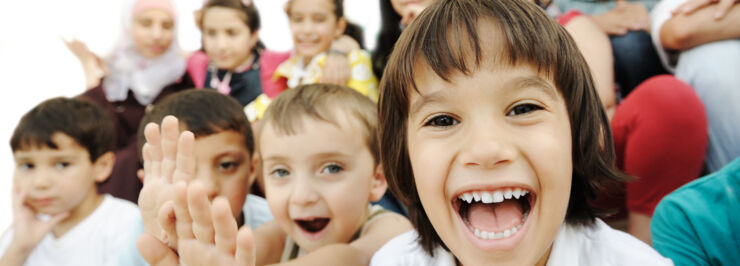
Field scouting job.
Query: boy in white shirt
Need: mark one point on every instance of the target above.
(62, 148)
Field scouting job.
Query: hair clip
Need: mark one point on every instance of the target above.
(247, 2)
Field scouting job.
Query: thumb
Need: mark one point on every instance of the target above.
(245, 248)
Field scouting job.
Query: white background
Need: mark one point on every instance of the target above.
(35, 65)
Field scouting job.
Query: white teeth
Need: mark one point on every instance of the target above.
(476, 196)
(507, 233)
(507, 193)
(468, 197)
(487, 198)
(524, 192)
(516, 193)
(498, 196)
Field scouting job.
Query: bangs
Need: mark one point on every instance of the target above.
(456, 37)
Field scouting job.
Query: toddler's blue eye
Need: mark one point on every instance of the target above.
(523, 109)
(332, 169)
(442, 121)
(280, 172)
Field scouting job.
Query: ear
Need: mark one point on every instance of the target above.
(254, 38)
(254, 169)
(341, 26)
(140, 174)
(103, 166)
(379, 185)
(198, 16)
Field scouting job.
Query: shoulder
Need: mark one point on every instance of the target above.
(117, 213)
(256, 211)
(599, 244)
(699, 195)
(404, 249)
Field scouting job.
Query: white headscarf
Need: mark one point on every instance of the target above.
(128, 69)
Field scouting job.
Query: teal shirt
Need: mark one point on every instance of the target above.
(699, 223)
(595, 7)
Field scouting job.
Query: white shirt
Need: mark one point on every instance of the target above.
(95, 240)
(598, 244)
(658, 16)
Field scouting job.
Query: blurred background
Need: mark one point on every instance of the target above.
(36, 65)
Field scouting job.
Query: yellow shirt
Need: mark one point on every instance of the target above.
(297, 73)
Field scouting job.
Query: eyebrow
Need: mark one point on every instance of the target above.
(518, 83)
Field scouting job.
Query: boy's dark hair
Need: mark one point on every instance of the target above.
(203, 112)
(531, 38)
(352, 30)
(323, 102)
(251, 16)
(79, 119)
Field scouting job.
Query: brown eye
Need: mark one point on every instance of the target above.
(523, 109)
(145, 22)
(442, 121)
(167, 25)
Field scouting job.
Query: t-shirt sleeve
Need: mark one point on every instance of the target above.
(362, 78)
(673, 234)
(658, 16)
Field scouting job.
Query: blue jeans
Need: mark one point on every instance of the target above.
(635, 60)
(713, 69)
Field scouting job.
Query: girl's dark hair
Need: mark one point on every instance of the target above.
(79, 119)
(352, 30)
(390, 30)
(529, 37)
(251, 16)
(203, 112)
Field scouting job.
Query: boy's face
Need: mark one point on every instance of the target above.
(59, 180)
(483, 138)
(319, 181)
(224, 166)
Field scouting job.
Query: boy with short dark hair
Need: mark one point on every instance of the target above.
(62, 148)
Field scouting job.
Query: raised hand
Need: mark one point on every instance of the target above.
(167, 159)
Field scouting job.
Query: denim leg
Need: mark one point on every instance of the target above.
(635, 60)
(713, 70)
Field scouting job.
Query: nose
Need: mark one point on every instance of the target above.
(221, 42)
(303, 193)
(157, 32)
(488, 144)
(42, 179)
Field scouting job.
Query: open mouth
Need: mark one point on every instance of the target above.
(312, 225)
(494, 214)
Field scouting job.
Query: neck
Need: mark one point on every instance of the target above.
(78, 214)
(243, 64)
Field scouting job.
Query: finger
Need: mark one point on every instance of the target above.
(55, 219)
(167, 222)
(200, 211)
(183, 222)
(170, 132)
(19, 197)
(146, 154)
(224, 225)
(691, 6)
(154, 141)
(155, 252)
(722, 7)
(185, 164)
(245, 248)
(621, 4)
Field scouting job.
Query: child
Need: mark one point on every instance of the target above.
(62, 148)
(320, 161)
(223, 144)
(315, 24)
(697, 224)
(493, 136)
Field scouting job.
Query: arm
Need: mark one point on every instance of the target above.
(682, 31)
(623, 17)
(596, 49)
(360, 251)
(336, 68)
(673, 235)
